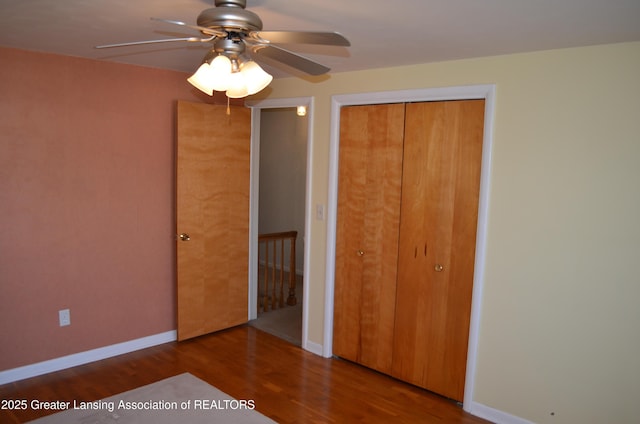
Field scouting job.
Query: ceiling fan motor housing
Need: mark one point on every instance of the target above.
(229, 47)
(230, 15)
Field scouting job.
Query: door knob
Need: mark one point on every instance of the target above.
(184, 237)
(360, 252)
(438, 268)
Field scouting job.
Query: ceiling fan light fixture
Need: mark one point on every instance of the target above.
(225, 74)
(231, 28)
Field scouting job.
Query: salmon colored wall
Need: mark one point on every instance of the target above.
(86, 203)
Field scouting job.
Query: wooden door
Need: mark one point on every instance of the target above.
(441, 180)
(370, 166)
(212, 183)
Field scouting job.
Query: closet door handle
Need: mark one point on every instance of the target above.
(360, 252)
(438, 268)
(415, 251)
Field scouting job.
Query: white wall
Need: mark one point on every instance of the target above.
(558, 340)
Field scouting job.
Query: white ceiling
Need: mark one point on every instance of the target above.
(382, 32)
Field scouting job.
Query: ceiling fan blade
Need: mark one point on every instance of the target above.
(301, 37)
(288, 58)
(206, 30)
(167, 40)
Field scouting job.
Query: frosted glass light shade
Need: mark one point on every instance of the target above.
(237, 86)
(214, 76)
(201, 79)
(220, 73)
(255, 77)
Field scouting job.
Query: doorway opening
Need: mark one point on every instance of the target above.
(280, 149)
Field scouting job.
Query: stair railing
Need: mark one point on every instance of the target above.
(271, 259)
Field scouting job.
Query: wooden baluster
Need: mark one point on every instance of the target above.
(281, 297)
(258, 296)
(265, 305)
(291, 300)
(274, 299)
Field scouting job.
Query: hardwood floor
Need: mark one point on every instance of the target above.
(288, 384)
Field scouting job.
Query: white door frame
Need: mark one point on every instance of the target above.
(486, 92)
(257, 107)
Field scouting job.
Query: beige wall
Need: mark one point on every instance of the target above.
(559, 319)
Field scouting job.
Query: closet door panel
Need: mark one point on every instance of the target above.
(425, 210)
(470, 124)
(369, 188)
(441, 170)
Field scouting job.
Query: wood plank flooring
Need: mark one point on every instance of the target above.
(288, 384)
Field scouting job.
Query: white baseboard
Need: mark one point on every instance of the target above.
(313, 347)
(494, 415)
(81, 358)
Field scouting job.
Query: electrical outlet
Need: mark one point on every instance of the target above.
(65, 317)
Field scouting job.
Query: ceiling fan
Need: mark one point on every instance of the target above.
(235, 34)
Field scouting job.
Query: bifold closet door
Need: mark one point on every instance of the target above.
(441, 180)
(370, 172)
